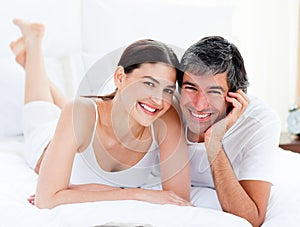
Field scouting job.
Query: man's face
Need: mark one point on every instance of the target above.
(203, 100)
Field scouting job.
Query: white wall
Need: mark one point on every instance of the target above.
(63, 35)
(116, 23)
(264, 30)
(108, 25)
(270, 52)
(61, 17)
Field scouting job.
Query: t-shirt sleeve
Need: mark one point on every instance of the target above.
(257, 162)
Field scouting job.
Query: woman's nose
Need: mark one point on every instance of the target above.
(157, 100)
(158, 97)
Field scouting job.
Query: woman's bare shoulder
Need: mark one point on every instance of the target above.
(82, 112)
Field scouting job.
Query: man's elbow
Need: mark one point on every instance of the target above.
(257, 222)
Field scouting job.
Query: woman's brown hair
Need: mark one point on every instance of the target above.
(144, 51)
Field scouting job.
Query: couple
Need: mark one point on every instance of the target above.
(104, 148)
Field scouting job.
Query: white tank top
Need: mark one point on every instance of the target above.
(87, 170)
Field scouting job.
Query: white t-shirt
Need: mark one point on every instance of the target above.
(86, 168)
(249, 144)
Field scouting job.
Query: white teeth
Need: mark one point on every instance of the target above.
(148, 108)
(200, 115)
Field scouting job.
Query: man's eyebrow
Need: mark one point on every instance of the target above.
(188, 83)
(211, 87)
(217, 87)
(156, 81)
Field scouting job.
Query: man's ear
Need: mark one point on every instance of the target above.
(119, 76)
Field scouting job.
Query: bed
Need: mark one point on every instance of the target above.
(18, 182)
(66, 64)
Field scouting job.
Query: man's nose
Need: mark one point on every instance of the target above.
(201, 101)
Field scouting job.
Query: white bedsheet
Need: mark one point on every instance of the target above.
(18, 181)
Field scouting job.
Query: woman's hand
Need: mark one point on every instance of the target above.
(162, 197)
(31, 199)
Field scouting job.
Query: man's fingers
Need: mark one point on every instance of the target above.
(238, 99)
(241, 97)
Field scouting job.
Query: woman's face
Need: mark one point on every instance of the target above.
(147, 91)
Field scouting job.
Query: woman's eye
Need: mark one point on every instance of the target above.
(169, 91)
(149, 83)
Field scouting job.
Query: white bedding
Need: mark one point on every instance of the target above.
(18, 181)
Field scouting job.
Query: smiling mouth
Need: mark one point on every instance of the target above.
(148, 108)
(200, 116)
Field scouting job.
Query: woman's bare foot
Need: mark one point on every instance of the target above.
(18, 48)
(31, 32)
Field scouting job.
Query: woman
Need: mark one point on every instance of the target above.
(108, 145)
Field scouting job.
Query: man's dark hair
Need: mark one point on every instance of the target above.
(213, 55)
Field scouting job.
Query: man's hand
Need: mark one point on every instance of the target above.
(239, 102)
(214, 135)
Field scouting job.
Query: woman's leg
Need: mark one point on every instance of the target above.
(28, 51)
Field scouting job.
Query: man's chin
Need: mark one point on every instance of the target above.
(197, 131)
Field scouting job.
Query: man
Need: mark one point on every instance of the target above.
(231, 136)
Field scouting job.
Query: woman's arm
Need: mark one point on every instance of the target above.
(147, 195)
(174, 158)
(73, 135)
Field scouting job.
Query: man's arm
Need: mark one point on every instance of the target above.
(247, 199)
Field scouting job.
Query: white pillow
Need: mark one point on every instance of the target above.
(12, 84)
(11, 97)
(93, 73)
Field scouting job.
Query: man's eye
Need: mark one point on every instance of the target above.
(215, 92)
(189, 88)
(169, 91)
(149, 83)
